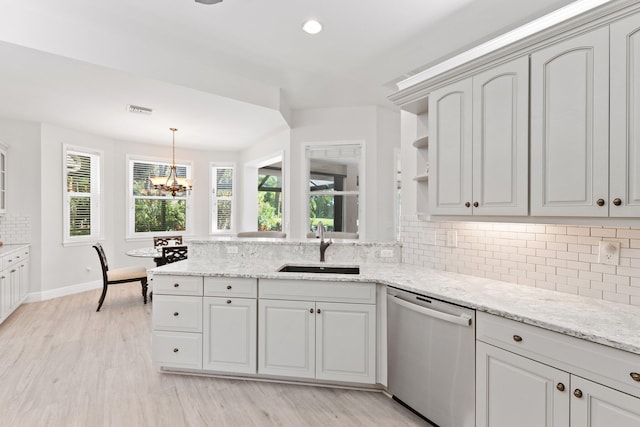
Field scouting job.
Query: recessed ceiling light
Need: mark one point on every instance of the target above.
(312, 27)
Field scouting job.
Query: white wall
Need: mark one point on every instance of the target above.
(74, 265)
(23, 181)
(270, 147)
(35, 175)
(379, 129)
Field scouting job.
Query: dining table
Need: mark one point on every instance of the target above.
(148, 252)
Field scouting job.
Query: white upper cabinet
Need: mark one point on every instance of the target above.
(479, 143)
(450, 161)
(501, 139)
(570, 127)
(624, 197)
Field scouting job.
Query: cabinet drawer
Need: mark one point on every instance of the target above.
(177, 285)
(177, 313)
(230, 287)
(603, 364)
(177, 349)
(318, 290)
(13, 258)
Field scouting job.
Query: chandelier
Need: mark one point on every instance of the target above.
(171, 183)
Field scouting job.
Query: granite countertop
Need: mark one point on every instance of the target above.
(612, 324)
(5, 249)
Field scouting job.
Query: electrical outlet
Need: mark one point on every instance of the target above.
(386, 253)
(452, 238)
(232, 249)
(609, 253)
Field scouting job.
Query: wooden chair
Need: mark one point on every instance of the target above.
(119, 275)
(174, 253)
(160, 241)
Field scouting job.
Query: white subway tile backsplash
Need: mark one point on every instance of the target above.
(558, 257)
(15, 229)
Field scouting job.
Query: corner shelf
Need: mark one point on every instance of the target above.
(421, 142)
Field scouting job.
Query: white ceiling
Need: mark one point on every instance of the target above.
(221, 73)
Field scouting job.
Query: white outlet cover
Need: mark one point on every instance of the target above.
(609, 253)
(232, 249)
(386, 253)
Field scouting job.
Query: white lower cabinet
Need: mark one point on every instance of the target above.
(531, 377)
(345, 342)
(177, 322)
(308, 329)
(326, 341)
(229, 334)
(307, 338)
(286, 338)
(14, 280)
(512, 390)
(594, 405)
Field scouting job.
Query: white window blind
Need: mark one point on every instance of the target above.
(82, 196)
(222, 198)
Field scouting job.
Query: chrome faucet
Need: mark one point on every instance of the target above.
(323, 245)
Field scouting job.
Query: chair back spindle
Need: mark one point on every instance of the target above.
(174, 253)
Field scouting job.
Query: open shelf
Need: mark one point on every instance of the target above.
(421, 142)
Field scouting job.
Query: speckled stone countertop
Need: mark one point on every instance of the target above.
(612, 324)
(5, 249)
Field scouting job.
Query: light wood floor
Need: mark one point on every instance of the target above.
(63, 364)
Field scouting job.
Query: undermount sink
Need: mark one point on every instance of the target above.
(327, 269)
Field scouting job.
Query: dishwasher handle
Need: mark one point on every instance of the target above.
(463, 319)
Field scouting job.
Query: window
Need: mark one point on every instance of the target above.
(334, 187)
(156, 211)
(82, 205)
(222, 198)
(270, 198)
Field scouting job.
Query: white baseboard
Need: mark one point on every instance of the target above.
(67, 290)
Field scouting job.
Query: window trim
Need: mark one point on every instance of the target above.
(98, 234)
(213, 197)
(361, 192)
(131, 234)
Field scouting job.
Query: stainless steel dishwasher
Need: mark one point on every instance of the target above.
(431, 356)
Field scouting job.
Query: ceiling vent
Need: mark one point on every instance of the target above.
(208, 1)
(138, 109)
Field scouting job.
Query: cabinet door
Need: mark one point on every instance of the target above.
(450, 149)
(286, 338)
(346, 342)
(570, 127)
(501, 140)
(594, 405)
(512, 390)
(625, 110)
(14, 286)
(24, 278)
(229, 334)
(5, 294)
